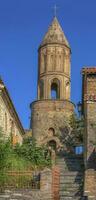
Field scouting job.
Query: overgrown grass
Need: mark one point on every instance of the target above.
(16, 161)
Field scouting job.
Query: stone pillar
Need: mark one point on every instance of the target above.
(46, 184)
(90, 184)
(49, 184)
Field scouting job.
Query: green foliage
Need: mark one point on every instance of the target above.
(72, 134)
(5, 150)
(32, 153)
(77, 126)
(23, 157)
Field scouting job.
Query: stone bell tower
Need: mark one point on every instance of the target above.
(54, 64)
(51, 111)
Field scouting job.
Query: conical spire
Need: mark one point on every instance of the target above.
(55, 34)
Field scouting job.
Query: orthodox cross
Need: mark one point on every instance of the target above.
(55, 10)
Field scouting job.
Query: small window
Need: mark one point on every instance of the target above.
(51, 132)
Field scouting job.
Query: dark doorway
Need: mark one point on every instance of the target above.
(52, 144)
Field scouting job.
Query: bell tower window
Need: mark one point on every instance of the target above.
(55, 89)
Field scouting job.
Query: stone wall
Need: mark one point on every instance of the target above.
(56, 183)
(90, 184)
(89, 111)
(49, 188)
(50, 114)
(46, 184)
(7, 123)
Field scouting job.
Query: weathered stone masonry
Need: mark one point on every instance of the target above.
(89, 111)
(52, 112)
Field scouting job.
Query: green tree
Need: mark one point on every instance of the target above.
(77, 128)
(31, 152)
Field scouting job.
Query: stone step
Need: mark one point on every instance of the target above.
(71, 192)
(21, 195)
(71, 173)
(70, 162)
(70, 185)
(70, 158)
(70, 179)
(68, 168)
(70, 198)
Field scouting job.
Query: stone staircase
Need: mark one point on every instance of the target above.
(71, 177)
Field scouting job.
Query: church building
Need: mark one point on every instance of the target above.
(52, 111)
(51, 116)
(53, 108)
(10, 124)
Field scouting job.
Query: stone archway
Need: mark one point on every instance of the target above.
(52, 144)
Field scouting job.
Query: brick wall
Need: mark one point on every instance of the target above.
(89, 110)
(49, 184)
(50, 114)
(55, 183)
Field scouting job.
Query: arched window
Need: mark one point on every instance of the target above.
(55, 89)
(51, 132)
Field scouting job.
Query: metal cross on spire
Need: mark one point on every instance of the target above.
(55, 10)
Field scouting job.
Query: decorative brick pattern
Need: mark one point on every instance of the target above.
(56, 183)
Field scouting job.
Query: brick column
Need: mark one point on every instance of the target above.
(49, 184)
(55, 183)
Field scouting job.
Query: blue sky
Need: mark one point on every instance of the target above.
(23, 24)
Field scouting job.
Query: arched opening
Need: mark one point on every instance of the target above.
(55, 89)
(52, 144)
(51, 132)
